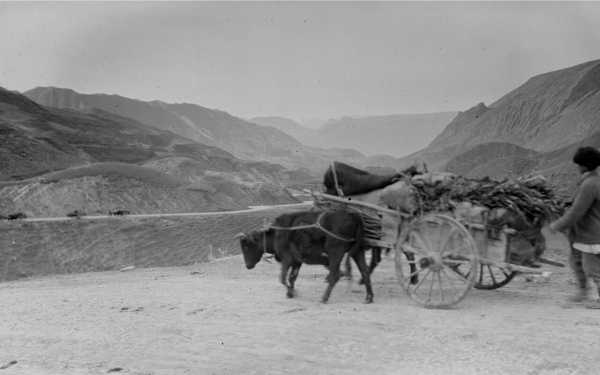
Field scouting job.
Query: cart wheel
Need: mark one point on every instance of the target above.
(428, 255)
(493, 277)
(489, 277)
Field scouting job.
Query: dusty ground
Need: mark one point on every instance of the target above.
(219, 318)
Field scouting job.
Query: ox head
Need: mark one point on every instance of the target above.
(252, 245)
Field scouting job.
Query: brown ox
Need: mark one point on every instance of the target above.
(323, 239)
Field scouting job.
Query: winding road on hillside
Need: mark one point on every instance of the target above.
(181, 214)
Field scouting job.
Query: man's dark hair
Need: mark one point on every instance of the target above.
(588, 157)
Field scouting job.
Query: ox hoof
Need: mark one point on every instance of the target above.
(369, 299)
(324, 300)
(290, 294)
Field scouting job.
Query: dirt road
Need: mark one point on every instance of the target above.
(252, 209)
(219, 318)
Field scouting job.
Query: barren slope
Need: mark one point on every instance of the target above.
(207, 126)
(99, 188)
(497, 160)
(95, 161)
(244, 139)
(548, 112)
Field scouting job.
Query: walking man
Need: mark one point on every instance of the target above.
(582, 224)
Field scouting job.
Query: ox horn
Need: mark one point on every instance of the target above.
(239, 235)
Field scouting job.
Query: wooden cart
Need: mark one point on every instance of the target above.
(448, 256)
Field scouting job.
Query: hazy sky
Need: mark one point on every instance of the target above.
(299, 60)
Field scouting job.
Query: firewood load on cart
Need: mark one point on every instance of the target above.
(449, 233)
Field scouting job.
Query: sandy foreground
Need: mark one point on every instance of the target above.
(219, 318)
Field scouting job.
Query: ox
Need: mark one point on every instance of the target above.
(321, 237)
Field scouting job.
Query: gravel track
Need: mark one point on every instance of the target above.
(219, 318)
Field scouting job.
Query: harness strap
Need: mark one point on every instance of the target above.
(266, 257)
(335, 180)
(316, 225)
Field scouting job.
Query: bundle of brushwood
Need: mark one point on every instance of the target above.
(530, 198)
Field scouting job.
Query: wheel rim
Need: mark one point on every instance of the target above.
(493, 277)
(438, 244)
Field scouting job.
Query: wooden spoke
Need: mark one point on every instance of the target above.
(416, 273)
(498, 278)
(424, 245)
(430, 290)
(456, 261)
(463, 278)
(453, 281)
(438, 241)
(491, 274)
(421, 281)
(480, 273)
(441, 285)
(443, 247)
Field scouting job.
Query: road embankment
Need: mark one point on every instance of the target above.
(43, 246)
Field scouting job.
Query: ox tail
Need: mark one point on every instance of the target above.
(358, 245)
(360, 242)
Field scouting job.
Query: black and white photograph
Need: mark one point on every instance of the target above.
(300, 187)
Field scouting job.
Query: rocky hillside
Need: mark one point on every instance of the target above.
(547, 112)
(395, 135)
(39, 139)
(557, 164)
(495, 160)
(500, 160)
(53, 160)
(99, 188)
(535, 128)
(243, 139)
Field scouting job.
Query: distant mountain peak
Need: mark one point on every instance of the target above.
(472, 113)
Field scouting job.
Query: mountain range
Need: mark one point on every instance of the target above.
(243, 139)
(53, 160)
(62, 150)
(210, 127)
(394, 135)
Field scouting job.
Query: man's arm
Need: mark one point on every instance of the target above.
(583, 201)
